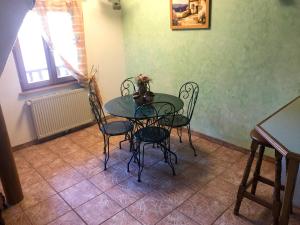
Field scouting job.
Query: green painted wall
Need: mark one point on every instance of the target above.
(247, 64)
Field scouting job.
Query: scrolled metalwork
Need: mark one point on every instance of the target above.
(188, 93)
(158, 119)
(128, 86)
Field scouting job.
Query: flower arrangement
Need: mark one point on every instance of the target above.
(142, 79)
(142, 82)
(144, 95)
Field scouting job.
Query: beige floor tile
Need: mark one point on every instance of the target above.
(93, 129)
(91, 167)
(71, 218)
(202, 209)
(96, 149)
(129, 191)
(122, 218)
(250, 212)
(86, 141)
(66, 148)
(40, 157)
(227, 155)
(152, 208)
(196, 177)
(98, 210)
(65, 180)
(80, 193)
(109, 178)
(176, 192)
(116, 156)
(78, 158)
(54, 168)
(228, 218)
(18, 219)
(79, 134)
(30, 178)
(36, 193)
(177, 218)
(22, 165)
(11, 212)
(205, 146)
(221, 190)
(47, 210)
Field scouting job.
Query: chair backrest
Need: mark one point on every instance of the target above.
(128, 86)
(158, 114)
(97, 110)
(188, 93)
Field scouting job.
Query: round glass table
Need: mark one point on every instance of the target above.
(125, 106)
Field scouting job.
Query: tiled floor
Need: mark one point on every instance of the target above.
(64, 184)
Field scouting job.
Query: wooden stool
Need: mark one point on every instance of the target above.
(259, 141)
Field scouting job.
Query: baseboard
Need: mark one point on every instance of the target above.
(227, 144)
(25, 145)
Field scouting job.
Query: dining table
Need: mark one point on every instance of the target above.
(125, 106)
(282, 131)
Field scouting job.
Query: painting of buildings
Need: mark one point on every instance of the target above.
(189, 14)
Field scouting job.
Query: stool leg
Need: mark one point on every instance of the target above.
(257, 169)
(242, 187)
(277, 185)
(286, 167)
(292, 171)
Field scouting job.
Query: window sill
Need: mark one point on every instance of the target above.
(48, 88)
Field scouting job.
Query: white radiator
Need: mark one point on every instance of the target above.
(59, 112)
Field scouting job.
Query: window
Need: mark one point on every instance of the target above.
(37, 64)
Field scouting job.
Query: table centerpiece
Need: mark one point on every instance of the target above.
(143, 95)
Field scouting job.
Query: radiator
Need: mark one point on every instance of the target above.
(60, 112)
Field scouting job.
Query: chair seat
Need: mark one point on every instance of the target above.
(151, 134)
(179, 121)
(117, 127)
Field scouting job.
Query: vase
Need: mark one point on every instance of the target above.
(142, 88)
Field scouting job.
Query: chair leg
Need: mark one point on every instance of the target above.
(130, 141)
(277, 185)
(170, 160)
(242, 187)
(179, 133)
(140, 164)
(171, 152)
(126, 138)
(257, 169)
(190, 139)
(106, 151)
(134, 156)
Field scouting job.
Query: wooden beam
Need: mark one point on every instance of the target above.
(8, 171)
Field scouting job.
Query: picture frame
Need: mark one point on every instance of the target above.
(189, 14)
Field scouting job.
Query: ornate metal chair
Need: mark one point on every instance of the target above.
(153, 132)
(128, 86)
(109, 129)
(188, 93)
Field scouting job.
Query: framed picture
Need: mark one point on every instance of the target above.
(189, 14)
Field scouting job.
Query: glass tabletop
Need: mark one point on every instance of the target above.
(284, 126)
(125, 106)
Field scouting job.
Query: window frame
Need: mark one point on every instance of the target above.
(52, 71)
